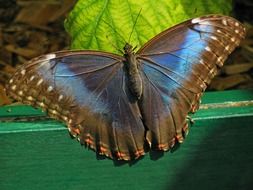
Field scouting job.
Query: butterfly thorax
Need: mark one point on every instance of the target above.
(132, 65)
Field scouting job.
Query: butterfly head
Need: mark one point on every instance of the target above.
(128, 48)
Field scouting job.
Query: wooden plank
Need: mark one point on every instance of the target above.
(215, 155)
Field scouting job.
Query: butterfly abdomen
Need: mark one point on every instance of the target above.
(134, 78)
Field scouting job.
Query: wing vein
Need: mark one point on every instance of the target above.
(91, 71)
(167, 69)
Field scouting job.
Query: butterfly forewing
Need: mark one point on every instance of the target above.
(177, 66)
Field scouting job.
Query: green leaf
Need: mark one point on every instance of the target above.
(108, 24)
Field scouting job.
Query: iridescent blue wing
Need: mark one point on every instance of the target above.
(176, 67)
(88, 91)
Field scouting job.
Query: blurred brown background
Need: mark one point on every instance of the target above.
(29, 28)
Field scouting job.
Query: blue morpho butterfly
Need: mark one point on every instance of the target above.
(122, 106)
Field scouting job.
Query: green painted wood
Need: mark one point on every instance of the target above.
(217, 154)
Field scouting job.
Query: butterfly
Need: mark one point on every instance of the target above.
(123, 106)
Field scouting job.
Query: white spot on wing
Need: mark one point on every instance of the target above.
(13, 87)
(65, 118)
(236, 31)
(60, 97)
(23, 72)
(39, 82)
(20, 92)
(219, 59)
(50, 56)
(236, 24)
(207, 48)
(32, 77)
(41, 104)
(224, 22)
(212, 70)
(203, 86)
(11, 81)
(195, 20)
(29, 98)
(214, 38)
(50, 88)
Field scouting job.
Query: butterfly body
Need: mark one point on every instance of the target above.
(122, 106)
(132, 65)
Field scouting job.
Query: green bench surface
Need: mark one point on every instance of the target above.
(217, 153)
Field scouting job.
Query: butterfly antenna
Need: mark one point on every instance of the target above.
(115, 31)
(134, 25)
(119, 50)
